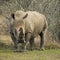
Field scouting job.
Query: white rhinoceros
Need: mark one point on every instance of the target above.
(26, 26)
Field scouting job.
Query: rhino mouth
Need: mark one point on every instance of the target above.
(20, 41)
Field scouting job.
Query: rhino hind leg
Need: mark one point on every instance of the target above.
(31, 43)
(42, 41)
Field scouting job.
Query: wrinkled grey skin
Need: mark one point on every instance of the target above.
(26, 26)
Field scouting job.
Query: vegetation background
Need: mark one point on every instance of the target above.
(50, 8)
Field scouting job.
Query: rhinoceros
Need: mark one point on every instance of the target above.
(26, 26)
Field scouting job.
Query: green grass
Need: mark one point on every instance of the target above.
(6, 51)
(52, 54)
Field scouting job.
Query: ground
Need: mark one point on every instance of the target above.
(7, 53)
(52, 54)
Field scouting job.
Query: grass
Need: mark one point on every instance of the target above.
(52, 54)
(6, 52)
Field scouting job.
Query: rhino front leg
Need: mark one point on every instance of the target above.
(15, 46)
(27, 38)
(14, 41)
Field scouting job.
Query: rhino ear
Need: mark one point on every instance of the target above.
(25, 16)
(12, 15)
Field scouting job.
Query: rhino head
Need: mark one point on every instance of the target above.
(19, 25)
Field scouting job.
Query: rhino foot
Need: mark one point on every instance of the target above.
(42, 49)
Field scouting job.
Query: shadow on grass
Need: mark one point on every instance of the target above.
(6, 47)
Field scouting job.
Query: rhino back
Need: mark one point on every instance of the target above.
(34, 22)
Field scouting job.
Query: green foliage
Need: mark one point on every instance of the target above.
(30, 55)
(50, 8)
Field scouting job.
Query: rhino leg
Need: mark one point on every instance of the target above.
(42, 41)
(31, 43)
(15, 45)
(27, 38)
(14, 40)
